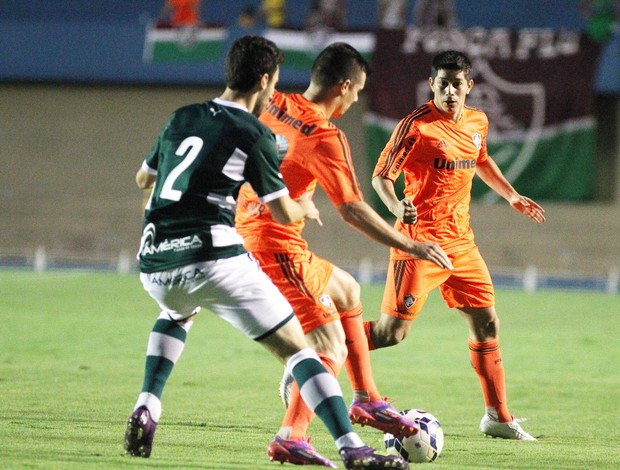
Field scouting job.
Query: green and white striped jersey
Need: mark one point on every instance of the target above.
(201, 158)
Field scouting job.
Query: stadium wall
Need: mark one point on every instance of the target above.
(103, 41)
(70, 153)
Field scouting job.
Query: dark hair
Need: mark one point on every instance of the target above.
(249, 58)
(451, 60)
(336, 63)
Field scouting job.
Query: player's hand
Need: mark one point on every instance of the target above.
(431, 251)
(529, 208)
(308, 205)
(406, 212)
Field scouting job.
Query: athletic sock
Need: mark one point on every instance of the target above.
(486, 360)
(357, 364)
(298, 415)
(322, 394)
(165, 346)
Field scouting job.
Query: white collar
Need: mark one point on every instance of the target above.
(230, 104)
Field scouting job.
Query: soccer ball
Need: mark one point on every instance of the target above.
(424, 446)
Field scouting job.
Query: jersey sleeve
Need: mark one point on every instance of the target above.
(147, 168)
(396, 152)
(262, 169)
(151, 161)
(333, 169)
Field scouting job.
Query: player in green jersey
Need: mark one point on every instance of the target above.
(191, 255)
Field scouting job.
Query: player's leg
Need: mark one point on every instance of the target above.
(368, 406)
(165, 346)
(345, 292)
(298, 416)
(407, 286)
(321, 392)
(470, 290)
(302, 279)
(486, 359)
(265, 316)
(386, 331)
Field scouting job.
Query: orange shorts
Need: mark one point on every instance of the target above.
(409, 281)
(302, 278)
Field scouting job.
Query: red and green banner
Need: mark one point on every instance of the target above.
(202, 44)
(536, 86)
(301, 47)
(186, 44)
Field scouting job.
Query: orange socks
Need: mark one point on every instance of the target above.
(486, 360)
(298, 415)
(359, 369)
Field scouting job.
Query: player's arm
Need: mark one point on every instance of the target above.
(364, 218)
(403, 209)
(493, 177)
(288, 211)
(144, 179)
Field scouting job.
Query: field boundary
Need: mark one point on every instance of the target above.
(529, 279)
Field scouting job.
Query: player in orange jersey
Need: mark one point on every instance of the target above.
(325, 298)
(180, 13)
(439, 147)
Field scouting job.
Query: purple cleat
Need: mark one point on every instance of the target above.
(297, 452)
(380, 415)
(139, 433)
(359, 458)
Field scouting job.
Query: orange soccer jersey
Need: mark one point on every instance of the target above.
(438, 158)
(184, 12)
(316, 151)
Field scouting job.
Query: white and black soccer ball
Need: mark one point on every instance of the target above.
(424, 446)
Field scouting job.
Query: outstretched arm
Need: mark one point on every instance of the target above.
(364, 218)
(490, 173)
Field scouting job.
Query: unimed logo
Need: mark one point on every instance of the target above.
(443, 164)
(282, 116)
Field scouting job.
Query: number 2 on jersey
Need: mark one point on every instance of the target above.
(194, 145)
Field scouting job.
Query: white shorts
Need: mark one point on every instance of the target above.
(234, 288)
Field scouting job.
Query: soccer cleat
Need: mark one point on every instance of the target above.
(139, 433)
(297, 452)
(379, 414)
(491, 426)
(286, 382)
(367, 458)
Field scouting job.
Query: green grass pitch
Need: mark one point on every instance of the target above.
(72, 353)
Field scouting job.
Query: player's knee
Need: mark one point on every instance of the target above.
(336, 351)
(483, 323)
(396, 336)
(342, 357)
(333, 346)
(349, 298)
(340, 353)
(491, 329)
(385, 337)
(344, 290)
